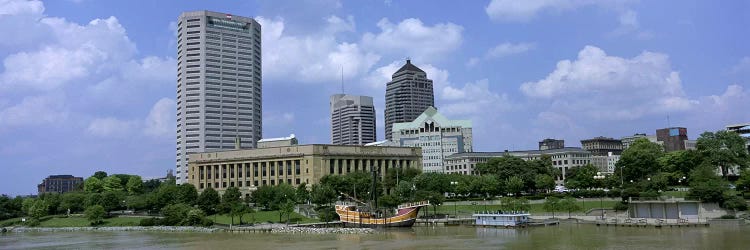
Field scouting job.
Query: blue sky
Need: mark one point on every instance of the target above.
(90, 85)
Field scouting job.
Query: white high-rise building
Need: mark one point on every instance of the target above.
(352, 120)
(218, 84)
(436, 135)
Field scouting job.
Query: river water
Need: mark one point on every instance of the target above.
(565, 236)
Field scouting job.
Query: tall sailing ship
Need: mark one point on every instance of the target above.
(353, 215)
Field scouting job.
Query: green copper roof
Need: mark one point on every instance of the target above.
(431, 114)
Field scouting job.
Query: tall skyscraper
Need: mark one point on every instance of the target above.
(352, 120)
(218, 84)
(407, 95)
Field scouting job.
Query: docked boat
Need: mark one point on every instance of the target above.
(352, 215)
(502, 218)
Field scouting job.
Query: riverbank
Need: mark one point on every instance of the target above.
(109, 229)
(267, 228)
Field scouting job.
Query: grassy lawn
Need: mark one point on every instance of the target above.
(535, 208)
(82, 222)
(676, 194)
(262, 216)
(9, 222)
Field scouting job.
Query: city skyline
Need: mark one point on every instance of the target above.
(89, 86)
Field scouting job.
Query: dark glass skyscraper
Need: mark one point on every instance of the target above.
(407, 95)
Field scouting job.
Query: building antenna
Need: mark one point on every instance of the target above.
(342, 80)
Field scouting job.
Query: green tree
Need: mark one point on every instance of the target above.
(53, 201)
(186, 193)
(705, 185)
(322, 195)
(194, 217)
(544, 182)
(95, 214)
(165, 195)
(38, 209)
(73, 201)
(680, 163)
(389, 201)
(433, 182)
(112, 200)
(93, 199)
(100, 175)
(514, 185)
(302, 194)
(640, 160)
(569, 204)
(231, 197)
(10, 207)
(112, 183)
(487, 185)
(743, 183)
(582, 177)
(137, 202)
(208, 201)
(723, 149)
(552, 204)
(734, 202)
(93, 185)
(399, 174)
(135, 185)
(264, 197)
(175, 214)
(404, 191)
(286, 209)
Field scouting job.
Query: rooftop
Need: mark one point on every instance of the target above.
(520, 152)
(409, 67)
(277, 139)
(431, 114)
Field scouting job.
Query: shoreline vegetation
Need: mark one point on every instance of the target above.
(265, 228)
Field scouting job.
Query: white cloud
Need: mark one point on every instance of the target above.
(278, 119)
(472, 62)
(75, 52)
(506, 49)
(473, 99)
(11, 7)
(160, 122)
(336, 24)
(521, 11)
(612, 88)
(413, 38)
(314, 58)
(111, 127)
(35, 110)
(742, 66)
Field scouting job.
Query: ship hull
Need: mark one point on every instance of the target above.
(351, 217)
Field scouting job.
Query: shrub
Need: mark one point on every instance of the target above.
(174, 214)
(95, 214)
(621, 206)
(149, 222)
(727, 216)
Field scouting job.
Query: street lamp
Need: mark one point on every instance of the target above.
(455, 210)
(599, 176)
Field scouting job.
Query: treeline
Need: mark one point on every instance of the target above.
(645, 170)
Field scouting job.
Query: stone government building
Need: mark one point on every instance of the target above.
(249, 169)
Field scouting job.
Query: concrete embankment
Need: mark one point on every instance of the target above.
(310, 230)
(110, 229)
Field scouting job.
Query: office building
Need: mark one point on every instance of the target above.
(60, 184)
(352, 120)
(605, 163)
(744, 130)
(407, 95)
(248, 169)
(602, 146)
(562, 159)
(218, 84)
(673, 138)
(436, 135)
(548, 144)
(629, 140)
